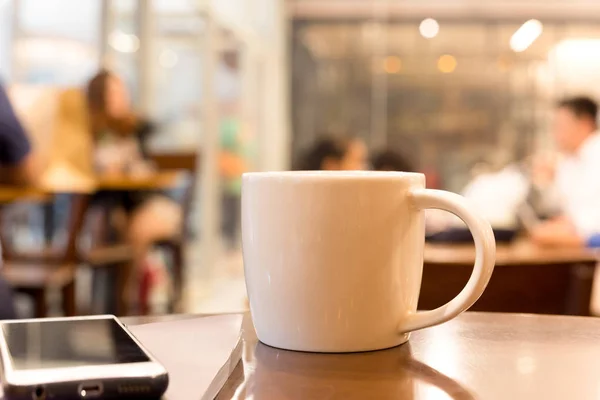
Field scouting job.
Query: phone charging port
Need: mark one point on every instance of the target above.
(39, 393)
(90, 390)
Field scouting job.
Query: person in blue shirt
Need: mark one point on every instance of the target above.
(593, 241)
(17, 167)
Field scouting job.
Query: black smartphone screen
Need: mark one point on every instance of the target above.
(58, 344)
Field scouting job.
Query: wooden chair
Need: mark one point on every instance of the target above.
(175, 246)
(68, 168)
(116, 258)
(112, 259)
(36, 273)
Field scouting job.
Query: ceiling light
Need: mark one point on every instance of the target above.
(526, 35)
(578, 50)
(123, 42)
(429, 28)
(447, 64)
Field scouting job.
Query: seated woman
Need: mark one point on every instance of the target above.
(332, 153)
(119, 135)
(390, 160)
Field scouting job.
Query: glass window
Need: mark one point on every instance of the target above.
(6, 27)
(447, 102)
(45, 30)
(177, 94)
(124, 43)
(175, 6)
(177, 70)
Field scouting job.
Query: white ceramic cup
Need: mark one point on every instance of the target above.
(333, 260)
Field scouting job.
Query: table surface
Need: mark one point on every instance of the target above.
(475, 356)
(521, 252)
(9, 194)
(155, 181)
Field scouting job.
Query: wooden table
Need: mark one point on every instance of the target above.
(10, 194)
(475, 356)
(159, 180)
(41, 270)
(527, 278)
(521, 252)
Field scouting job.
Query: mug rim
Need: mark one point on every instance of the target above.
(336, 174)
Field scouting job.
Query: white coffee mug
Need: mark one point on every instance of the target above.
(333, 260)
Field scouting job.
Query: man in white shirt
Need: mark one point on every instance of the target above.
(577, 175)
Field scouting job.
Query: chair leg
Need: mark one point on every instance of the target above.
(68, 299)
(122, 272)
(49, 222)
(178, 266)
(39, 299)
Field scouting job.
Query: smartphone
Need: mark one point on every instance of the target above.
(92, 357)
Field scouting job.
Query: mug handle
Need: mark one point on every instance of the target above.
(485, 257)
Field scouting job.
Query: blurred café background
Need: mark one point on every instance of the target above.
(453, 87)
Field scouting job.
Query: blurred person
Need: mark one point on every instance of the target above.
(119, 135)
(574, 177)
(17, 166)
(542, 197)
(497, 194)
(18, 163)
(237, 149)
(390, 160)
(333, 153)
(70, 167)
(113, 121)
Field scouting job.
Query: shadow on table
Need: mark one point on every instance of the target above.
(387, 374)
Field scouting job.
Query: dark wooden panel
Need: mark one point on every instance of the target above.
(539, 289)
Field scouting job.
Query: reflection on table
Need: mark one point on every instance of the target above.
(475, 356)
